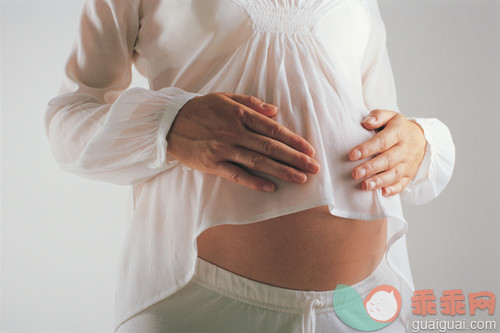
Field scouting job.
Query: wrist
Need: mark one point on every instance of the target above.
(420, 141)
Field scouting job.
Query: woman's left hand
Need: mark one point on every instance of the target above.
(397, 150)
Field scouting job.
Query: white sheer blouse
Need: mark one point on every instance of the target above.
(322, 62)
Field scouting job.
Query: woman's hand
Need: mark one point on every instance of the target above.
(398, 149)
(227, 135)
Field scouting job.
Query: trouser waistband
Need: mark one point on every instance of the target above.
(307, 303)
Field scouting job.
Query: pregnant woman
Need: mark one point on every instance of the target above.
(267, 159)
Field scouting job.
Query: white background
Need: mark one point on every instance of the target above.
(61, 235)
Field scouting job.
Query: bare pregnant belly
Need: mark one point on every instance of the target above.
(308, 250)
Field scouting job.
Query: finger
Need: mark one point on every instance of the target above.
(259, 162)
(377, 118)
(377, 144)
(280, 152)
(254, 103)
(239, 176)
(387, 178)
(382, 162)
(270, 128)
(396, 188)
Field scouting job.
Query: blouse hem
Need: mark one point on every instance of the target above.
(130, 314)
(298, 208)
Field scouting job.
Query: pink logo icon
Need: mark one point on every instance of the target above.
(383, 303)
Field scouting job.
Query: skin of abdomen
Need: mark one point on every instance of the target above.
(307, 250)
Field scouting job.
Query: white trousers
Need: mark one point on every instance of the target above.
(217, 300)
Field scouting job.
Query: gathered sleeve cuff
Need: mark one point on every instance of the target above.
(166, 122)
(437, 166)
(123, 142)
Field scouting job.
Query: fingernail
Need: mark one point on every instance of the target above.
(299, 178)
(361, 173)
(313, 167)
(356, 155)
(268, 188)
(387, 191)
(370, 120)
(370, 185)
(268, 106)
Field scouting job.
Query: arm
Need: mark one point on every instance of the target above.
(96, 127)
(415, 156)
(100, 130)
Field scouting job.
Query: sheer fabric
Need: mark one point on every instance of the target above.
(324, 63)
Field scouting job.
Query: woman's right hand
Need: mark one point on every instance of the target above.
(229, 135)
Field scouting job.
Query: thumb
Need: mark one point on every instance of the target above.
(377, 119)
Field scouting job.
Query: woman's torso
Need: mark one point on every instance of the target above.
(306, 58)
(308, 250)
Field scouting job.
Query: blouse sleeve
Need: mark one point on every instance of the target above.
(379, 92)
(97, 127)
(437, 166)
